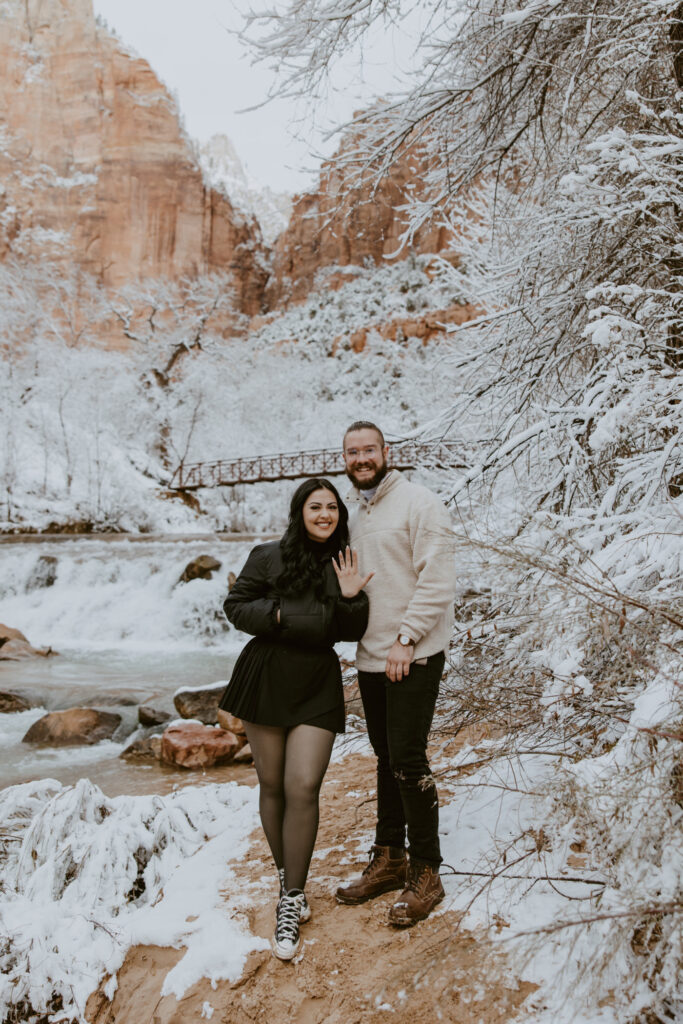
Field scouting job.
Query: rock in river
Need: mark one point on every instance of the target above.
(244, 756)
(192, 745)
(146, 749)
(201, 568)
(199, 702)
(8, 633)
(74, 727)
(11, 702)
(15, 647)
(230, 723)
(149, 716)
(44, 573)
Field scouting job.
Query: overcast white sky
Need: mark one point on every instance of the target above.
(188, 44)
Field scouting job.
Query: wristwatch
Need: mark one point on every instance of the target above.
(405, 640)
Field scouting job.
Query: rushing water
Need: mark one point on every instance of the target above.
(125, 632)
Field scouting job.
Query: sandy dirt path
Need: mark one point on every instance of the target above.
(353, 969)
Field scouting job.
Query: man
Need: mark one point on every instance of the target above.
(402, 531)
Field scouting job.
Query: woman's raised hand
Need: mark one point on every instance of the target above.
(350, 580)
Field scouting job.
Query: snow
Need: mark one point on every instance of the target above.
(223, 171)
(658, 703)
(496, 810)
(86, 877)
(220, 685)
(84, 430)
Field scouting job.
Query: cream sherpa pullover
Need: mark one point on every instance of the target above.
(404, 533)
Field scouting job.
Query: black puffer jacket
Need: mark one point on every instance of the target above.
(253, 602)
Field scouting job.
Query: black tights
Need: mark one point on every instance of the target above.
(290, 764)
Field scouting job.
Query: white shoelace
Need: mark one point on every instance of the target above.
(288, 911)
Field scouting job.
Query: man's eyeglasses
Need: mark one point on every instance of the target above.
(368, 452)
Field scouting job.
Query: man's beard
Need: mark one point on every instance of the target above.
(369, 482)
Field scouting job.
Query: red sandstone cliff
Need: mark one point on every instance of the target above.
(344, 224)
(94, 167)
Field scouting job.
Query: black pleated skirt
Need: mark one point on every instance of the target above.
(284, 685)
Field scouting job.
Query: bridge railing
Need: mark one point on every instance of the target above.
(320, 462)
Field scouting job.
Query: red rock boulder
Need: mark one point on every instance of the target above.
(231, 723)
(244, 756)
(8, 633)
(192, 745)
(73, 728)
(15, 647)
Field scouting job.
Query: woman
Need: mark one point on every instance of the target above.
(297, 600)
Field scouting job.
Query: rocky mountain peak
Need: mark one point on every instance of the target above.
(95, 167)
(224, 172)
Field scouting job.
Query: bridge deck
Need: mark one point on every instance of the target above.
(322, 462)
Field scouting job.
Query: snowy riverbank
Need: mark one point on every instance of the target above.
(85, 878)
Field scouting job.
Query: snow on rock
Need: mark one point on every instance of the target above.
(199, 701)
(223, 171)
(85, 877)
(220, 685)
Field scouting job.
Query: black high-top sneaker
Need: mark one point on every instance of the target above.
(305, 910)
(286, 939)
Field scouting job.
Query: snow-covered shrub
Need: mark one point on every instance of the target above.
(85, 877)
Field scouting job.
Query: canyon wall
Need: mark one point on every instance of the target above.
(95, 169)
(347, 222)
(97, 174)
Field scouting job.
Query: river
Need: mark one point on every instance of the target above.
(125, 632)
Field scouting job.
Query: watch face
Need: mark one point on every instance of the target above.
(404, 640)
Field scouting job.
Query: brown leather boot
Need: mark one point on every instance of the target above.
(385, 873)
(422, 893)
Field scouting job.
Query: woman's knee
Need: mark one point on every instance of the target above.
(271, 788)
(302, 789)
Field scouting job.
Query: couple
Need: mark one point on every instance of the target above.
(299, 596)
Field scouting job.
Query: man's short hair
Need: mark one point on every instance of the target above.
(365, 425)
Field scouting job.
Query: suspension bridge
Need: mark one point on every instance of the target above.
(320, 462)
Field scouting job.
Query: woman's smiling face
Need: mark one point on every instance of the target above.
(321, 515)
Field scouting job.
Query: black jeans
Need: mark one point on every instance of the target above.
(399, 717)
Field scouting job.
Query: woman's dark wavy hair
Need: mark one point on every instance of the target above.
(301, 568)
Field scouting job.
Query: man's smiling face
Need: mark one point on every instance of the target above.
(365, 458)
